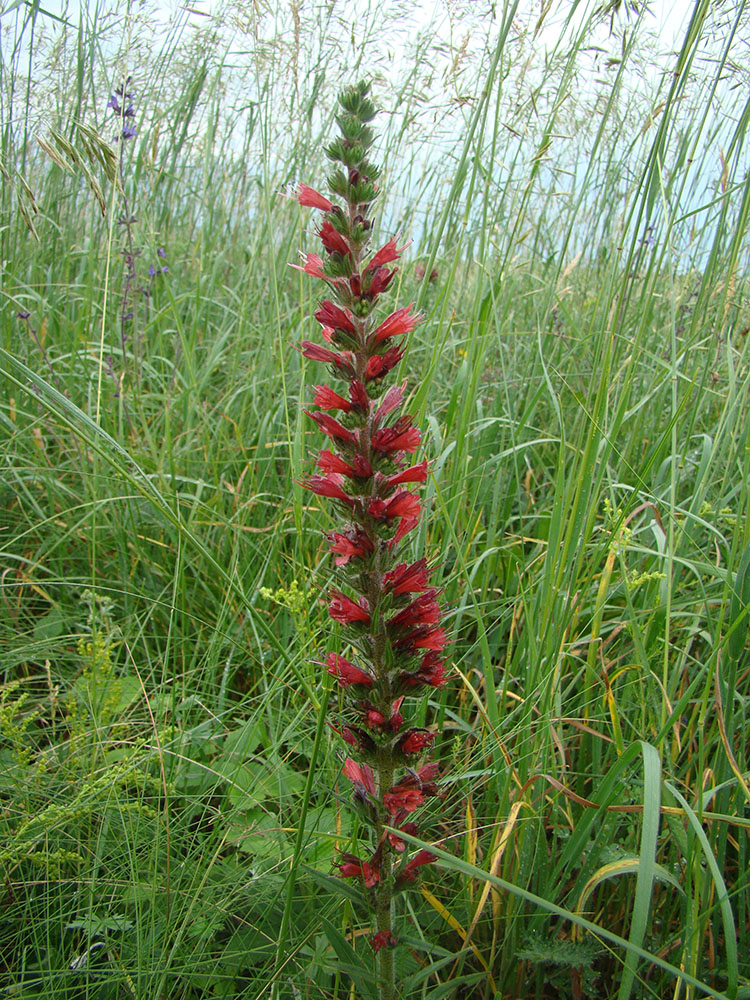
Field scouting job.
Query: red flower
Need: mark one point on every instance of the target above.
(327, 314)
(316, 352)
(312, 264)
(327, 399)
(389, 402)
(407, 524)
(402, 436)
(343, 609)
(329, 486)
(431, 672)
(387, 253)
(348, 675)
(383, 939)
(380, 364)
(313, 199)
(414, 474)
(403, 800)
(397, 323)
(408, 872)
(330, 426)
(358, 395)
(360, 774)
(350, 545)
(332, 239)
(403, 579)
(396, 842)
(424, 637)
(381, 279)
(351, 867)
(424, 610)
(415, 741)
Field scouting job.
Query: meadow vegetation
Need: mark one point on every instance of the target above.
(170, 796)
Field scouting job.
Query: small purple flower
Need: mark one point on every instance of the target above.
(152, 270)
(165, 269)
(129, 131)
(161, 252)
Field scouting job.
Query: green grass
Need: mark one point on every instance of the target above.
(170, 796)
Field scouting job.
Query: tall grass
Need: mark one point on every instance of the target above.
(166, 769)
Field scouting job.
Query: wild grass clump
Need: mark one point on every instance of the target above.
(172, 804)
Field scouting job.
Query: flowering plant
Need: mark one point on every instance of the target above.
(389, 612)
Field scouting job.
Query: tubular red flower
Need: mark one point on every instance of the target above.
(312, 264)
(343, 609)
(316, 352)
(327, 399)
(424, 637)
(311, 198)
(383, 939)
(424, 610)
(381, 279)
(348, 675)
(397, 323)
(332, 239)
(414, 474)
(352, 544)
(330, 426)
(402, 436)
(415, 741)
(403, 800)
(403, 579)
(358, 395)
(392, 399)
(380, 364)
(330, 485)
(350, 866)
(396, 842)
(360, 774)
(431, 672)
(406, 525)
(387, 253)
(408, 872)
(327, 314)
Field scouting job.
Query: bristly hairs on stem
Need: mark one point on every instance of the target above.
(389, 612)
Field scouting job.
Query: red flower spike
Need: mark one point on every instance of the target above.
(402, 436)
(348, 675)
(327, 314)
(397, 323)
(327, 399)
(332, 239)
(343, 609)
(403, 579)
(311, 198)
(387, 253)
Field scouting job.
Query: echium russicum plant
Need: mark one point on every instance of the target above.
(389, 612)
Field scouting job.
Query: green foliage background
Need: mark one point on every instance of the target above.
(170, 797)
